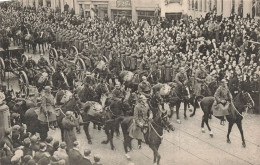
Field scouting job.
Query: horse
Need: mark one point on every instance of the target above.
(207, 90)
(153, 136)
(115, 107)
(242, 101)
(130, 80)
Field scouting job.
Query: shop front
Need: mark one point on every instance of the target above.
(121, 13)
(173, 16)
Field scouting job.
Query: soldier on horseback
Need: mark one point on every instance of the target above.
(200, 78)
(142, 115)
(144, 87)
(118, 92)
(222, 103)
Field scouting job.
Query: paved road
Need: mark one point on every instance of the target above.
(186, 145)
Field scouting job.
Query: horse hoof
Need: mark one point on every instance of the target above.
(127, 156)
(191, 115)
(202, 130)
(139, 146)
(104, 142)
(113, 148)
(89, 142)
(179, 121)
(228, 141)
(185, 117)
(211, 134)
(244, 144)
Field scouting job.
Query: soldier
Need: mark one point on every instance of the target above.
(200, 78)
(29, 68)
(133, 60)
(144, 66)
(222, 102)
(118, 92)
(144, 87)
(43, 64)
(47, 112)
(142, 114)
(115, 66)
(61, 65)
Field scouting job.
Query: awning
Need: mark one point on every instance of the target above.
(145, 8)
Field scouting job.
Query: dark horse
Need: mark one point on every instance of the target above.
(115, 108)
(178, 95)
(207, 90)
(153, 136)
(242, 101)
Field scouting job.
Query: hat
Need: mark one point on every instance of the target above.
(117, 84)
(75, 143)
(69, 113)
(96, 158)
(224, 81)
(49, 139)
(47, 88)
(26, 141)
(63, 145)
(42, 146)
(87, 152)
(142, 97)
(34, 139)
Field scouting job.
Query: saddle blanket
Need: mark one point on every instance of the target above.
(220, 109)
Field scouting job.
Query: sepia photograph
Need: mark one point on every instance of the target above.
(129, 82)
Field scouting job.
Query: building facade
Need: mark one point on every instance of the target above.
(147, 9)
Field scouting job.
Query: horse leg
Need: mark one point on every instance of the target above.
(239, 126)
(177, 111)
(202, 125)
(185, 109)
(171, 110)
(230, 125)
(111, 139)
(85, 127)
(157, 156)
(206, 119)
(39, 46)
(43, 48)
(194, 106)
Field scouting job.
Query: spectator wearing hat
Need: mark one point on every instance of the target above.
(8, 139)
(35, 145)
(75, 156)
(61, 153)
(68, 123)
(86, 158)
(42, 155)
(5, 153)
(49, 148)
(27, 150)
(97, 160)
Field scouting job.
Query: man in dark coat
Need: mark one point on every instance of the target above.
(86, 158)
(68, 123)
(75, 156)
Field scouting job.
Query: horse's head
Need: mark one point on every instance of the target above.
(248, 101)
(163, 121)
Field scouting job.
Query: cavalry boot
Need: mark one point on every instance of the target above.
(139, 144)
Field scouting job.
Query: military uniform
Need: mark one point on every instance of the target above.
(43, 64)
(220, 109)
(30, 69)
(119, 93)
(144, 88)
(200, 77)
(141, 112)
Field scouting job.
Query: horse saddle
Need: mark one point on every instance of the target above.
(219, 109)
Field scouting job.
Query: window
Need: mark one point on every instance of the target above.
(205, 5)
(192, 5)
(216, 6)
(210, 3)
(196, 4)
(200, 7)
(222, 4)
(86, 6)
